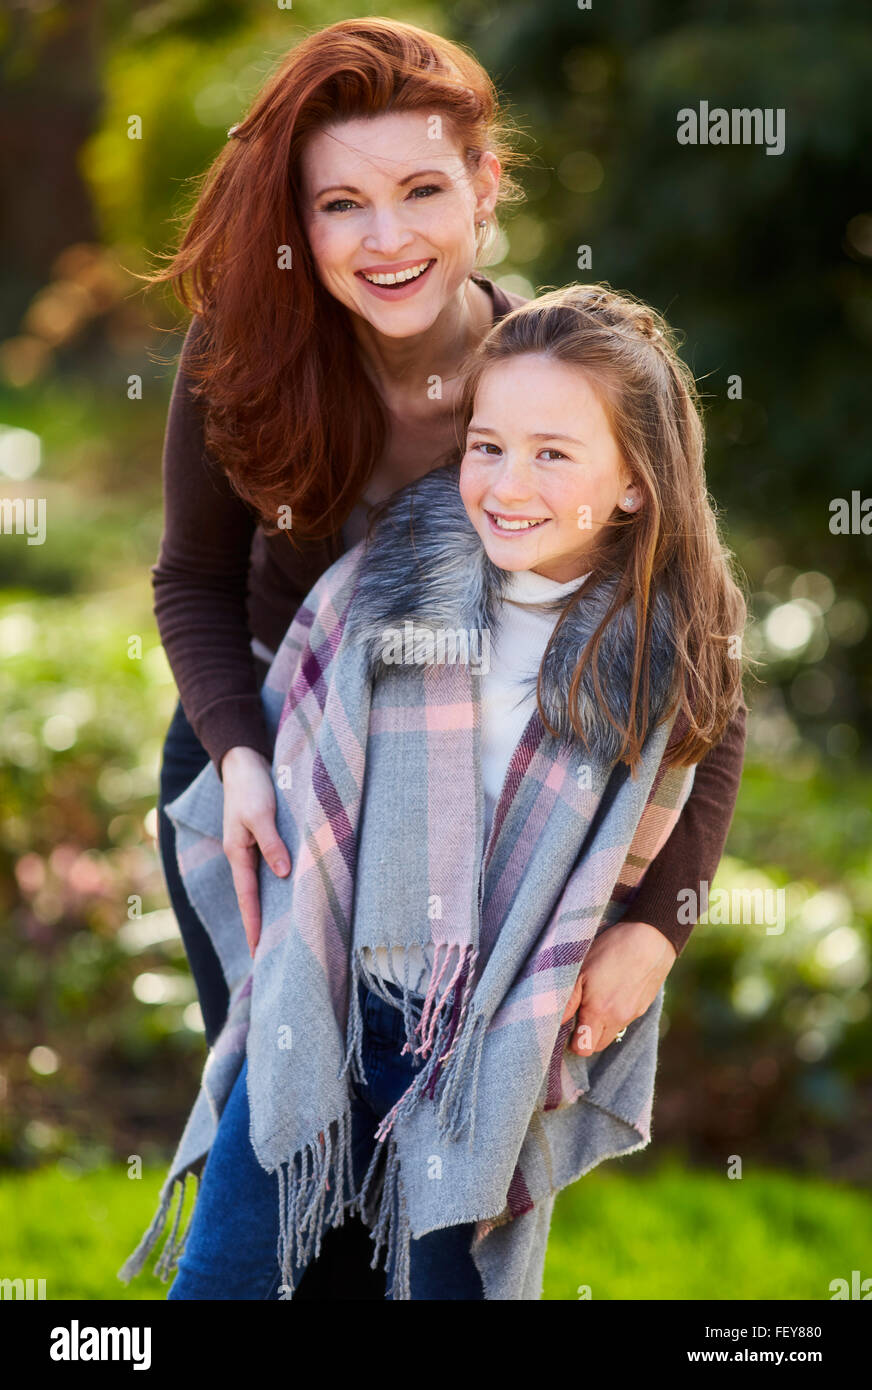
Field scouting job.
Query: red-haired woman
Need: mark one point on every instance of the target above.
(330, 265)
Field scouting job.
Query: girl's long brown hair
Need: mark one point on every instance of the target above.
(671, 542)
(291, 415)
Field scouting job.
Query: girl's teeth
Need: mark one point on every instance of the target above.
(505, 525)
(397, 278)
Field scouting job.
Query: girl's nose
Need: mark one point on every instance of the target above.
(513, 481)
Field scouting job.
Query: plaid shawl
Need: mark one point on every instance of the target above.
(379, 799)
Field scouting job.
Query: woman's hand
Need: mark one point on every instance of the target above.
(250, 830)
(619, 980)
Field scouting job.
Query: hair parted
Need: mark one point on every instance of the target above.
(671, 542)
(290, 413)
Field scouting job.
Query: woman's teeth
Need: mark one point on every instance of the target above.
(398, 277)
(506, 524)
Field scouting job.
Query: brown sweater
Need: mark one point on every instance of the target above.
(219, 581)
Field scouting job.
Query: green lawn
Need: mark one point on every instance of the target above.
(666, 1234)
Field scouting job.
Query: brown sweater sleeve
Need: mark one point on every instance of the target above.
(200, 584)
(693, 850)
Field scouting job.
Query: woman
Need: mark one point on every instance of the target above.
(331, 261)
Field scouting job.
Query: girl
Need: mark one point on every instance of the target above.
(487, 721)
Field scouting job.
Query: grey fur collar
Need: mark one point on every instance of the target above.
(426, 564)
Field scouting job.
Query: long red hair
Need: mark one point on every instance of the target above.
(290, 414)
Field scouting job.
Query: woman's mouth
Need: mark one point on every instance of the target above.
(504, 524)
(396, 281)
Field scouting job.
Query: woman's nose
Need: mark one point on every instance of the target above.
(387, 235)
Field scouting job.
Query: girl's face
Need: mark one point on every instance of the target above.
(391, 196)
(542, 470)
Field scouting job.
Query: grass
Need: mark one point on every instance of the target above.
(680, 1234)
(667, 1233)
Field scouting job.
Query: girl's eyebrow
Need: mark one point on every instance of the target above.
(567, 438)
(401, 183)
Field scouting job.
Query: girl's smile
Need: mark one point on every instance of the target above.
(505, 525)
(542, 469)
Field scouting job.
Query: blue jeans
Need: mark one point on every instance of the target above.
(230, 1252)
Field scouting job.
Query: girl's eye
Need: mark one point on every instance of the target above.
(483, 445)
(556, 452)
(425, 190)
(339, 205)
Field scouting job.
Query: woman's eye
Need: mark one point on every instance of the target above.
(425, 190)
(556, 453)
(340, 205)
(483, 446)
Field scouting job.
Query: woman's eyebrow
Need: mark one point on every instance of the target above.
(401, 183)
(337, 188)
(419, 174)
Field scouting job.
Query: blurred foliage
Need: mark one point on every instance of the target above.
(763, 263)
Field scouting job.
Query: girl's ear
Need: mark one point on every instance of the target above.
(630, 499)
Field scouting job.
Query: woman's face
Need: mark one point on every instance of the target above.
(392, 196)
(540, 450)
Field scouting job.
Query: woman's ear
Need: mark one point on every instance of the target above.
(486, 183)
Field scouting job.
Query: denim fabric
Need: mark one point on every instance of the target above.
(231, 1251)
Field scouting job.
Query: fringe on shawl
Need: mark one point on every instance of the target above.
(304, 1186)
(451, 1040)
(316, 1185)
(451, 1036)
(304, 1183)
(175, 1245)
(386, 1214)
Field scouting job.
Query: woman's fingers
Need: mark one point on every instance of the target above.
(263, 827)
(586, 1033)
(250, 831)
(574, 1001)
(623, 970)
(243, 861)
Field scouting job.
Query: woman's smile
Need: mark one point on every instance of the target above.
(397, 280)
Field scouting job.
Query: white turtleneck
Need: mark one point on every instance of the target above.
(507, 703)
